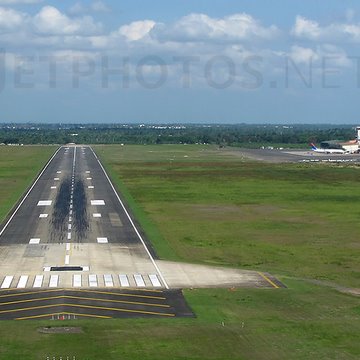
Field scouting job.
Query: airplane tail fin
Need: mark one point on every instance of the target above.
(313, 146)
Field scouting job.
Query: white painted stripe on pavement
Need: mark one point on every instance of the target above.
(124, 281)
(22, 281)
(93, 281)
(38, 281)
(44, 203)
(139, 280)
(54, 280)
(87, 172)
(67, 259)
(89, 178)
(154, 280)
(58, 172)
(7, 282)
(69, 226)
(43, 216)
(91, 187)
(97, 215)
(34, 241)
(97, 202)
(56, 179)
(53, 187)
(47, 268)
(76, 280)
(68, 246)
(102, 240)
(69, 236)
(108, 280)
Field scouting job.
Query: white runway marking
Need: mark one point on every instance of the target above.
(139, 280)
(102, 240)
(43, 216)
(22, 282)
(76, 280)
(34, 241)
(38, 281)
(68, 247)
(71, 206)
(44, 203)
(70, 212)
(69, 236)
(53, 187)
(67, 259)
(97, 202)
(69, 226)
(93, 281)
(54, 280)
(97, 215)
(124, 281)
(70, 219)
(47, 268)
(87, 172)
(90, 187)
(154, 280)
(58, 172)
(89, 178)
(108, 280)
(56, 179)
(7, 282)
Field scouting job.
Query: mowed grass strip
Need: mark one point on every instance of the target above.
(197, 204)
(19, 166)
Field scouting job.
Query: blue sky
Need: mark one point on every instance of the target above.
(227, 61)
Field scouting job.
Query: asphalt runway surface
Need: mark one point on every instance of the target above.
(72, 231)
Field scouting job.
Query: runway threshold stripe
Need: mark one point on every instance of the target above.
(38, 281)
(154, 280)
(87, 307)
(268, 280)
(64, 313)
(7, 282)
(139, 280)
(22, 282)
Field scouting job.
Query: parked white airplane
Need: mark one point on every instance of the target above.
(327, 151)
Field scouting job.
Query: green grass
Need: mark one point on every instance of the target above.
(295, 221)
(18, 168)
(289, 219)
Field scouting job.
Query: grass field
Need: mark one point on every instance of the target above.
(18, 167)
(200, 205)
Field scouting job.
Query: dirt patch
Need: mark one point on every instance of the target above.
(60, 330)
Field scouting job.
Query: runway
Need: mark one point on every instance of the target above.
(71, 233)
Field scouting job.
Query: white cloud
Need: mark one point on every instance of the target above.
(99, 6)
(336, 32)
(136, 30)
(10, 19)
(201, 27)
(303, 55)
(51, 21)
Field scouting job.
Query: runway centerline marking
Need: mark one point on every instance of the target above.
(43, 216)
(34, 241)
(44, 203)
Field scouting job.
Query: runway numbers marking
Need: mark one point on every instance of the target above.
(34, 241)
(76, 280)
(154, 280)
(38, 281)
(44, 203)
(102, 240)
(97, 215)
(139, 280)
(7, 282)
(97, 202)
(22, 282)
(93, 281)
(91, 187)
(124, 281)
(43, 216)
(54, 280)
(108, 281)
